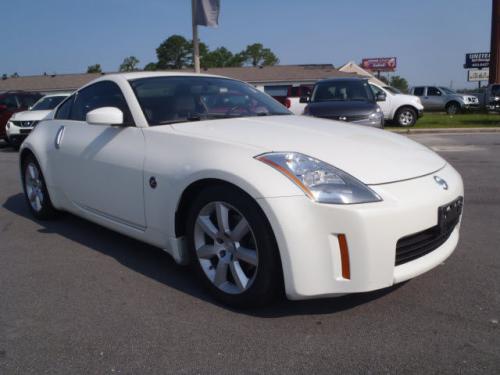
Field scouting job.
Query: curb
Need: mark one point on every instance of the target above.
(446, 130)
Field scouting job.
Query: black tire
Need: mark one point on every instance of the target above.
(46, 210)
(268, 281)
(406, 117)
(453, 108)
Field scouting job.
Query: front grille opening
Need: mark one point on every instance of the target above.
(422, 243)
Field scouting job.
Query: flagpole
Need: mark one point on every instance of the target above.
(196, 44)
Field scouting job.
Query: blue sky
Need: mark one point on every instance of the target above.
(429, 37)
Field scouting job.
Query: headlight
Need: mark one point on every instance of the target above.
(377, 115)
(8, 125)
(320, 181)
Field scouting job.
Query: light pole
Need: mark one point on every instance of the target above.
(495, 43)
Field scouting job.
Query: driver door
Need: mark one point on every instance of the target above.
(101, 165)
(434, 99)
(386, 105)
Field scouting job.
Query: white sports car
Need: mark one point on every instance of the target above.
(219, 174)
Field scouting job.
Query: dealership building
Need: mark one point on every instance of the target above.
(275, 80)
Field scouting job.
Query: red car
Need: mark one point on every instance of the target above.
(14, 101)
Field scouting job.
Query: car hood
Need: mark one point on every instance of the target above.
(410, 98)
(371, 155)
(341, 108)
(30, 115)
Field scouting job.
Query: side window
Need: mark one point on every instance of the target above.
(418, 91)
(64, 110)
(433, 91)
(10, 101)
(28, 100)
(376, 90)
(100, 94)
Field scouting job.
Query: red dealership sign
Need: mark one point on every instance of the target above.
(380, 64)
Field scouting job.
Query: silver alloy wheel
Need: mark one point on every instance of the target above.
(226, 247)
(406, 118)
(34, 186)
(452, 109)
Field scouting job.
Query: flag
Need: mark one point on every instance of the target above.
(207, 12)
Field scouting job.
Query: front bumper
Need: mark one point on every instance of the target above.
(471, 107)
(16, 134)
(375, 123)
(307, 236)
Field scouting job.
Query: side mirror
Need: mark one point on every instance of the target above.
(3, 107)
(105, 116)
(304, 99)
(380, 97)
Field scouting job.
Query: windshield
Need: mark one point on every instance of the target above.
(168, 100)
(47, 103)
(392, 89)
(342, 90)
(448, 91)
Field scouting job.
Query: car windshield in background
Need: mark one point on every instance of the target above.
(448, 91)
(47, 103)
(342, 91)
(495, 90)
(392, 89)
(168, 100)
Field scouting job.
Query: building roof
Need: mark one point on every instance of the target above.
(256, 75)
(352, 67)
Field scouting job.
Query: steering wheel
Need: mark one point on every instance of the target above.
(235, 108)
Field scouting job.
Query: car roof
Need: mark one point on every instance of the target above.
(137, 75)
(343, 79)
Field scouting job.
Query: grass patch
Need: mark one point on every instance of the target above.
(442, 120)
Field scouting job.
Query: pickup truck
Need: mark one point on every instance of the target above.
(399, 108)
(439, 98)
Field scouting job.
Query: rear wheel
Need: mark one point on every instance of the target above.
(406, 116)
(232, 247)
(452, 108)
(35, 190)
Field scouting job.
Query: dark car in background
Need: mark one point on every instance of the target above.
(345, 99)
(492, 98)
(12, 102)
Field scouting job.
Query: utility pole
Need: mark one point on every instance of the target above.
(196, 42)
(495, 43)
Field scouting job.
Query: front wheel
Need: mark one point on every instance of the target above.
(35, 190)
(406, 117)
(452, 108)
(232, 247)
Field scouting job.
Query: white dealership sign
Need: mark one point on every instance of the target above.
(477, 75)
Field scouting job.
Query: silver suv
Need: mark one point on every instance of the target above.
(438, 98)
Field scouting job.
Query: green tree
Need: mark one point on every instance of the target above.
(129, 64)
(399, 83)
(151, 66)
(96, 68)
(220, 58)
(174, 53)
(255, 54)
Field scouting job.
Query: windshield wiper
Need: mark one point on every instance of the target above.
(196, 117)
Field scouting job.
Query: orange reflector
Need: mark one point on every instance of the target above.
(344, 257)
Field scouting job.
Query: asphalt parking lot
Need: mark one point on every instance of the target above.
(77, 298)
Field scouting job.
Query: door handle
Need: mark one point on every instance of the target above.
(59, 137)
